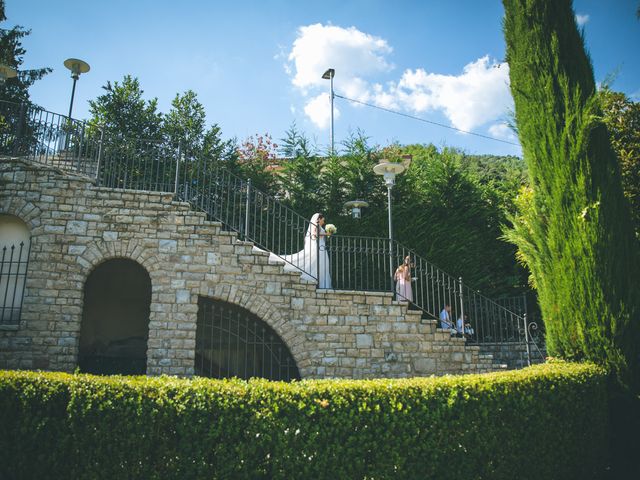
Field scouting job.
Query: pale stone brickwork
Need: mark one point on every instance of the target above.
(75, 226)
(514, 355)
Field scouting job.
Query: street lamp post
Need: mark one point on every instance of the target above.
(77, 67)
(328, 75)
(389, 171)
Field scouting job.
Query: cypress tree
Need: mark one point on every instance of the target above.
(574, 227)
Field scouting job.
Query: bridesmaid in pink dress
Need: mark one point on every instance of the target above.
(403, 281)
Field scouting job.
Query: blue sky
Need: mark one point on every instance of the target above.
(256, 66)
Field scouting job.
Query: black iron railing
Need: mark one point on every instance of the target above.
(137, 165)
(534, 331)
(356, 263)
(46, 137)
(14, 261)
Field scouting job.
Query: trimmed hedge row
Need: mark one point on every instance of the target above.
(548, 421)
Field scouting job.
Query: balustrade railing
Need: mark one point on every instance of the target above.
(356, 263)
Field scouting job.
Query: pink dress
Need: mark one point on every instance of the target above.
(403, 286)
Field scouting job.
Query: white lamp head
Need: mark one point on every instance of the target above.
(389, 170)
(356, 206)
(77, 67)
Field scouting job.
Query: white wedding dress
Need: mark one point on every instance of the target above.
(313, 260)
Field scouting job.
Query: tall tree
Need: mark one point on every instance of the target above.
(574, 233)
(185, 123)
(12, 54)
(358, 178)
(201, 150)
(300, 174)
(622, 116)
(124, 113)
(444, 212)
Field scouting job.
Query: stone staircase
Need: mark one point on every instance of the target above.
(76, 226)
(68, 162)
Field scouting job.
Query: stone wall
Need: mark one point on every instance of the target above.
(513, 355)
(76, 226)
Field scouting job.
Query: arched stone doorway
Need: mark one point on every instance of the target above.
(233, 342)
(115, 319)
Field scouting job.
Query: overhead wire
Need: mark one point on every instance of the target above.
(413, 117)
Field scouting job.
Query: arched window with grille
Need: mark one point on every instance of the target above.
(233, 342)
(15, 245)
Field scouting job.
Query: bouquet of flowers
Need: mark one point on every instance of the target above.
(330, 229)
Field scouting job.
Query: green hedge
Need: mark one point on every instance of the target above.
(544, 422)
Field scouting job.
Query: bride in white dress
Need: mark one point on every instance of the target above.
(313, 259)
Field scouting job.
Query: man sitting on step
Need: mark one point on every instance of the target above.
(445, 319)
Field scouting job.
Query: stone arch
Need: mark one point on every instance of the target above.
(233, 342)
(116, 311)
(24, 210)
(89, 257)
(260, 306)
(92, 255)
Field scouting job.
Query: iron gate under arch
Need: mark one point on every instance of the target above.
(233, 342)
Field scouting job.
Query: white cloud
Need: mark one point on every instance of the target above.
(581, 19)
(477, 96)
(480, 94)
(352, 53)
(318, 109)
(502, 131)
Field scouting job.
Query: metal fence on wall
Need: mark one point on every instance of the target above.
(46, 137)
(14, 262)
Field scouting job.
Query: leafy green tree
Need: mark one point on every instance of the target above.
(185, 125)
(350, 176)
(447, 215)
(202, 150)
(573, 230)
(332, 191)
(124, 113)
(301, 171)
(501, 176)
(215, 148)
(12, 54)
(358, 160)
(622, 117)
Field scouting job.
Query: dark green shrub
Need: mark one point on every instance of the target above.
(548, 421)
